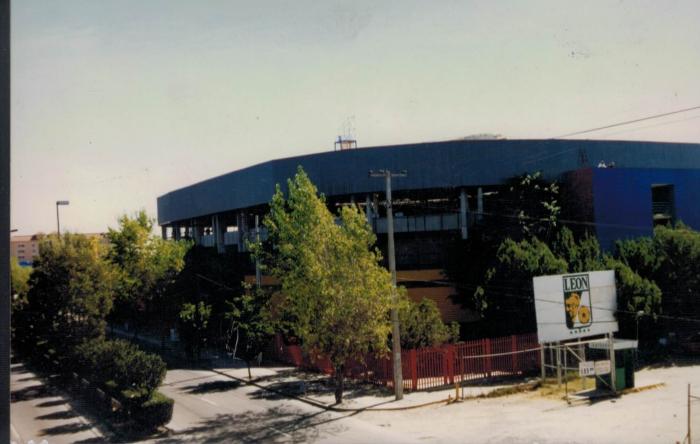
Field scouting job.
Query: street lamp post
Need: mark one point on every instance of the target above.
(395, 333)
(58, 220)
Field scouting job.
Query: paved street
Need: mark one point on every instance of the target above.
(213, 408)
(39, 413)
(210, 407)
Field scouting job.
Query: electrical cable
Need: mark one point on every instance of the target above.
(655, 116)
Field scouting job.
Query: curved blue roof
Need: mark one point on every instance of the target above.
(430, 165)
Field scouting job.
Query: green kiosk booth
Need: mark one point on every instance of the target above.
(625, 354)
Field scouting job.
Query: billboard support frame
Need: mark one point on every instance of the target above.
(577, 349)
(613, 369)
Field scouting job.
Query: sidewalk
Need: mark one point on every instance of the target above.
(318, 388)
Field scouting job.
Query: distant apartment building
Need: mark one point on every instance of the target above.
(26, 248)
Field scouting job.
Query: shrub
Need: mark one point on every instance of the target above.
(135, 369)
(119, 367)
(155, 411)
(422, 326)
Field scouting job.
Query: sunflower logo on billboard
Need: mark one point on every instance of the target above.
(577, 301)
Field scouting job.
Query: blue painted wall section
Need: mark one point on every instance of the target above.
(622, 200)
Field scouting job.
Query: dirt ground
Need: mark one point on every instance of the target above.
(657, 415)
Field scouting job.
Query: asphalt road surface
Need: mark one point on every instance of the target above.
(39, 413)
(210, 407)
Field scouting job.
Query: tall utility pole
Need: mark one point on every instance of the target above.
(395, 333)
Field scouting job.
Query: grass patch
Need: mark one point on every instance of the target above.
(573, 384)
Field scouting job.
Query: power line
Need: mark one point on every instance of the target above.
(538, 219)
(655, 116)
(652, 126)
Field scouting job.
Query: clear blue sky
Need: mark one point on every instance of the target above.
(117, 102)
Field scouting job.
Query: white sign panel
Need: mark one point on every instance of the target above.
(576, 305)
(586, 368)
(602, 367)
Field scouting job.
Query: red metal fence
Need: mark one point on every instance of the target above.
(425, 368)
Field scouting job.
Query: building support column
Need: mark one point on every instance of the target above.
(242, 232)
(368, 211)
(463, 213)
(176, 232)
(218, 233)
(197, 232)
(164, 232)
(479, 204)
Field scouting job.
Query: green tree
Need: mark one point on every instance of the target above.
(194, 319)
(505, 297)
(635, 294)
(535, 204)
(671, 259)
(148, 266)
(338, 295)
(19, 278)
(527, 207)
(214, 278)
(422, 326)
(70, 294)
(493, 270)
(251, 323)
(19, 283)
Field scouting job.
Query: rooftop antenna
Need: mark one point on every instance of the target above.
(346, 140)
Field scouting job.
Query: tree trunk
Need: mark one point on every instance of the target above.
(249, 375)
(339, 381)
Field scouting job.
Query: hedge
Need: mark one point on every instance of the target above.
(120, 369)
(120, 366)
(155, 411)
(128, 374)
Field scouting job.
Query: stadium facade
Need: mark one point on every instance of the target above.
(618, 189)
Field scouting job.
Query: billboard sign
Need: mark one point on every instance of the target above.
(570, 306)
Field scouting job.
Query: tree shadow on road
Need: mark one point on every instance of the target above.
(73, 427)
(90, 441)
(65, 414)
(32, 378)
(212, 387)
(279, 424)
(53, 403)
(30, 393)
(295, 382)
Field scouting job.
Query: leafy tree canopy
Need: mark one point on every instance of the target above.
(147, 265)
(71, 291)
(338, 295)
(422, 326)
(194, 319)
(671, 259)
(251, 323)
